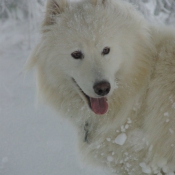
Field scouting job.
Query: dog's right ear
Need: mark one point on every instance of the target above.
(53, 8)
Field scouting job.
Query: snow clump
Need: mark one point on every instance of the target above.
(120, 139)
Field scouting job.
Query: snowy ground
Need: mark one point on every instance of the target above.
(32, 141)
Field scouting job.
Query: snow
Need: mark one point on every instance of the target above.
(126, 126)
(110, 158)
(120, 139)
(171, 173)
(171, 130)
(108, 139)
(123, 128)
(129, 120)
(33, 141)
(166, 114)
(167, 120)
(145, 168)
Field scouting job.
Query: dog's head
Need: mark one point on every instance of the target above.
(90, 44)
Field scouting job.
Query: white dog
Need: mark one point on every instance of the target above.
(103, 66)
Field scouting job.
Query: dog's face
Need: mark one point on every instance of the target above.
(90, 47)
(92, 67)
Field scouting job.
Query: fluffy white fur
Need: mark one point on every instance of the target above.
(140, 69)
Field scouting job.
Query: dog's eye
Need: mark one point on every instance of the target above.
(77, 55)
(105, 51)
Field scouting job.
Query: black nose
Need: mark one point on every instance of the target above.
(102, 88)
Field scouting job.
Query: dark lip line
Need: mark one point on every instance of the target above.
(86, 96)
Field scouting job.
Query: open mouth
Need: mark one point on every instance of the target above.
(98, 105)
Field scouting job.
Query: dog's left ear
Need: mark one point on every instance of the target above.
(99, 2)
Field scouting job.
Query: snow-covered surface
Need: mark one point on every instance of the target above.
(33, 140)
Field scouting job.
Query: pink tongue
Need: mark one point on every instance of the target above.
(99, 105)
